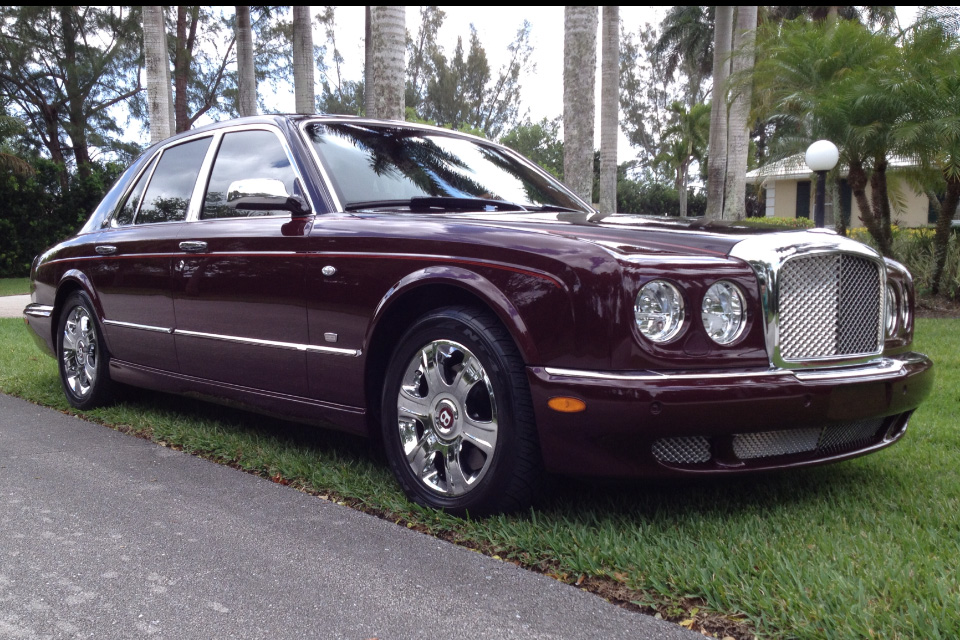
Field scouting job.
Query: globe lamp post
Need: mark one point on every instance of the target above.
(821, 157)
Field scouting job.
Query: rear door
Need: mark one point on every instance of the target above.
(132, 273)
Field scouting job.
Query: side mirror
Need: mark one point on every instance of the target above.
(265, 194)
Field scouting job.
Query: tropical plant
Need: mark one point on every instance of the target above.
(609, 108)
(685, 142)
(384, 82)
(685, 44)
(830, 81)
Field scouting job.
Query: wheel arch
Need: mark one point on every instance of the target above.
(72, 281)
(415, 295)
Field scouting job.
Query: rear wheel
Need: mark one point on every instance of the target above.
(458, 422)
(81, 354)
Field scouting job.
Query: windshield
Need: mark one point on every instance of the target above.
(369, 163)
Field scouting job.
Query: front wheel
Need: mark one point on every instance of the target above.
(458, 420)
(81, 355)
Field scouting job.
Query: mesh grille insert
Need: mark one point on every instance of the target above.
(682, 450)
(830, 439)
(830, 305)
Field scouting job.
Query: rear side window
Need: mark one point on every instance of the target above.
(129, 209)
(248, 163)
(168, 196)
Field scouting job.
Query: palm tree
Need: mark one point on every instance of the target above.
(385, 73)
(246, 78)
(738, 131)
(159, 99)
(717, 162)
(609, 109)
(303, 66)
(579, 72)
(931, 137)
(830, 81)
(686, 43)
(685, 141)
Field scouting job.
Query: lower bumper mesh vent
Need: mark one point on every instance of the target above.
(682, 450)
(833, 438)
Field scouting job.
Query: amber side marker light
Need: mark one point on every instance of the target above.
(566, 405)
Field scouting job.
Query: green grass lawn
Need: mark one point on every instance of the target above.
(862, 549)
(14, 286)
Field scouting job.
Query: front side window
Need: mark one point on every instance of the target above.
(168, 196)
(249, 163)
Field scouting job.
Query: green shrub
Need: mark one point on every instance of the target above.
(915, 249)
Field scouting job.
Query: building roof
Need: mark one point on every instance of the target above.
(795, 168)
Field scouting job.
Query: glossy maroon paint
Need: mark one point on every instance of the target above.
(564, 291)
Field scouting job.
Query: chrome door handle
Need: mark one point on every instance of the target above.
(193, 246)
(105, 249)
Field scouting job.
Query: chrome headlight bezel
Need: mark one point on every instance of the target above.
(891, 311)
(723, 307)
(659, 311)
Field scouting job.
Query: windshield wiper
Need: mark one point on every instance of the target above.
(438, 204)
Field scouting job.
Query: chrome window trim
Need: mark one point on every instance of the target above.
(203, 179)
(38, 310)
(327, 182)
(133, 325)
(269, 343)
(879, 369)
(766, 255)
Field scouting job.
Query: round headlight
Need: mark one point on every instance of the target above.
(723, 312)
(890, 312)
(659, 311)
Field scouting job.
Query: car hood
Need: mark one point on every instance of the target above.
(630, 234)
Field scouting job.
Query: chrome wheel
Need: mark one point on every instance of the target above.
(80, 352)
(447, 418)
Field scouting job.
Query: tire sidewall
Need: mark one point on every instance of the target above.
(100, 391)
(457, 326)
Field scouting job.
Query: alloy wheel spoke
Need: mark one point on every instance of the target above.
(481, 434)
(469, 375)
(456, 481)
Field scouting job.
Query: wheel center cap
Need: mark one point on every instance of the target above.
(445, 417)
(81, 353)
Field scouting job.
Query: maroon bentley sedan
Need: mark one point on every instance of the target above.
(444, 296)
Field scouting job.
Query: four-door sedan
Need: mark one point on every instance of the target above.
(440, 293)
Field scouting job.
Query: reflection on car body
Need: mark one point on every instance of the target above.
(438, 292)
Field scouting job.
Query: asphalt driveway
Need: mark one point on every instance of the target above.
(105, 535)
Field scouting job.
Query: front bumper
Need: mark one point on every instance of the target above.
(631, 416)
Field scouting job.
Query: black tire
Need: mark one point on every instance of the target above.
(82, 355)
(465, 439)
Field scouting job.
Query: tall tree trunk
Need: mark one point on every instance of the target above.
(738, 144)
(941, 238)
(717, 161)
(881, 204)
(579, 77)
(158, 73)
(183, 59)
(369, 108)
(388, 46)
(609, 109)
(247, 79)
(76, 126)
(303, 66)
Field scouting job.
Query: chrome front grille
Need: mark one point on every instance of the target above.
(831, 305)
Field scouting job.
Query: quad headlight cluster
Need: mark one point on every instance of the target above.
(659, 311)
(896, 311)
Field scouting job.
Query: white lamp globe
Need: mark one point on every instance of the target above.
(822, 155)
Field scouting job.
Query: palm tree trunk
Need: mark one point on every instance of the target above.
(388, 71)
(941, 237)
(159, 104)
(609, 109)
(579, 77)
(717, 162)
(738, 145)
(303, 89)
(246, 77)
(857, 179)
